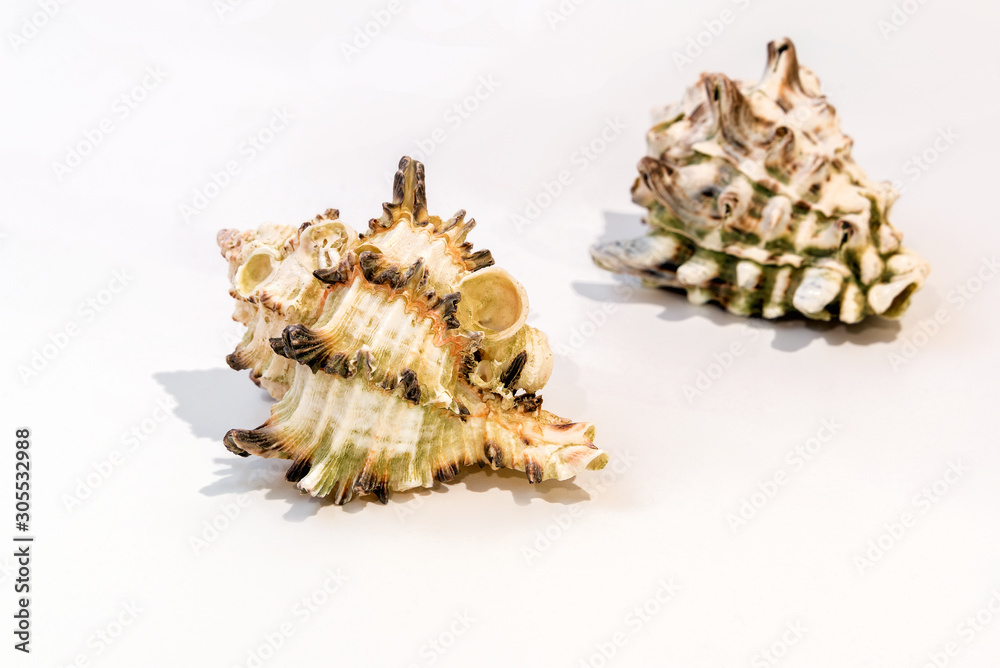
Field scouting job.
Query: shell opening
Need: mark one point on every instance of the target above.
(257, 269)
(324, 243)
(493, 302)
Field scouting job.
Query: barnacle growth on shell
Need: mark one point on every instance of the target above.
(754, 202)
(397, 356)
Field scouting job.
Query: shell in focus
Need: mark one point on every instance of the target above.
(755, 203)
(398, 356)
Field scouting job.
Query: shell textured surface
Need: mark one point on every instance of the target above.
(397, 356)
(755, 202)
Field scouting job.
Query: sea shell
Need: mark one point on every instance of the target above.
(398, 355)
(756, 203)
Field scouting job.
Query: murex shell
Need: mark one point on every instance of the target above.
(756, 203)
(397, 356)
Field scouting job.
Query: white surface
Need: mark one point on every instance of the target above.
(417, 564)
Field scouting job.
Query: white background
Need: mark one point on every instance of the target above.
(472, 557)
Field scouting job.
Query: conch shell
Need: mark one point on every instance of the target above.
(755, 203)
(398, 356)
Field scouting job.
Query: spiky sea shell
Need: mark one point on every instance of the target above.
(398, 355)
(756, 203)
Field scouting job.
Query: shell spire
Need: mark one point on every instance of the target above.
(755, 202)
(409, 196)
(397, 357)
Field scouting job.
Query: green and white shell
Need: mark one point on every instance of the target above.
(755, 203)
(398, 356)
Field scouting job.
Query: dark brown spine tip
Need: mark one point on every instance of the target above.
(390, 277)
(469, 363)
(399, 182)
(390, 382)
(512, 373)
(278, 346)
(366, 482)
(381, 491)
(331, 214)
(494, 455)
(447, 472)
(342, 492)
(564, 426)
(448, 307)
(453, 221)
(479, 260)
(369, 263)
(411, 388)
(305, 226)
(299, 470)
(243, 441)
(304, 346)
(414, 275)
(341, 365)
(365, 363)
(528, 402)
(235, 362)
(420, 196)
(231, 443)
(533, 470)
(335, 275)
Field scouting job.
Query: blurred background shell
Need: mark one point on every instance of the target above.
(755, 203)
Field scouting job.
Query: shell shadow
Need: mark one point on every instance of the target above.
(254, 474)
(619, 225)
(213, 401)
(791, 333)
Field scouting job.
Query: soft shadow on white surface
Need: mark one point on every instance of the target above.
(240, 475)
(213, 401)
(619, 225)
(790, 333)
